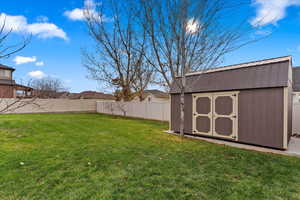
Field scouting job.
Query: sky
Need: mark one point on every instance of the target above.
(58, 34)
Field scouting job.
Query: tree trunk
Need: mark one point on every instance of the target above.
(182, 107)
(126, 93)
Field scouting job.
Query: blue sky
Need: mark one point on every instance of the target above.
(58, 34)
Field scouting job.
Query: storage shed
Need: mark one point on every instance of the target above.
(247, 103)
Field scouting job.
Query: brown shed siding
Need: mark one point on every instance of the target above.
(6, 91)
(260, 117)
(264, 76)
(290, 103)
(296, 79)
(264, 102)
(175, 113)
(290, 113)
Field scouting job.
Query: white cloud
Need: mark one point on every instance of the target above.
(46, 30)
(19, 24)
(37, 74)
(22, 59)
(39, 63)
(78, 14)
(75, 14)
(271, 11)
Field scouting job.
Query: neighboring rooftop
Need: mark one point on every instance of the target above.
(85, 95)
(6, 67)
(96, 95)
(156, 93)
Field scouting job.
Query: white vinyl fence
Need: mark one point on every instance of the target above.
(50, 105)
(145, 110)
(296, 118)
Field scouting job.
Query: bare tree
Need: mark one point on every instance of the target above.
(189, 35)
(47, 87)
(7, 49)
(144, 76)
(118, 57)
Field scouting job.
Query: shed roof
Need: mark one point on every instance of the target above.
(259, 74)
(6, 67)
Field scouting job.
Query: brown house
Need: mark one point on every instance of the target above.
(67, 95)
(8, 87)
(247, 103)
(96, 95)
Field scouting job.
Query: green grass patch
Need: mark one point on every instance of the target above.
(93, 156)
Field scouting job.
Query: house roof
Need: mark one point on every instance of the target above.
(96, 95)
(258, 74)
(81, 95)
(6, 67)
(73, 96)
(156, 93)
(22, 87)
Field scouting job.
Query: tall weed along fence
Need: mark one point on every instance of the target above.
(145, 110)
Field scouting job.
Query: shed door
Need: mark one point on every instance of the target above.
(202, 115)
(225, 115)
(215, 114)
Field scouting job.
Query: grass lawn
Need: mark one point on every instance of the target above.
(91, 156)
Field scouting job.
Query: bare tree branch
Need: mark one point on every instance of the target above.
(6, 50)
(187, 36)
(47, 87)
(11, 105)
(120, 45)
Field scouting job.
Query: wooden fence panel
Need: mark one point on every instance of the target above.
(145, 110)
(52, 105)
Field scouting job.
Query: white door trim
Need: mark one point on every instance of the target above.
(213, 116)
(209, 115)
(232, 116)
